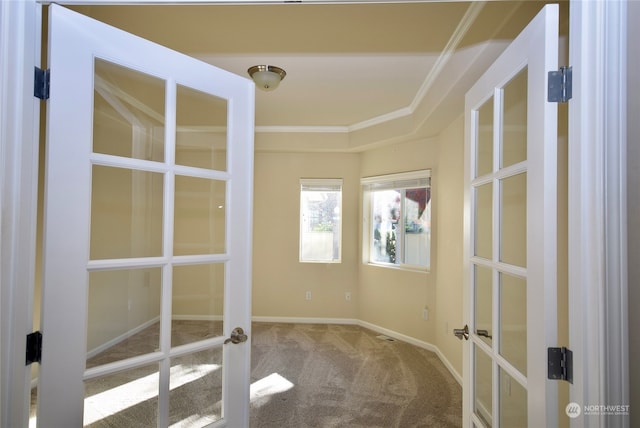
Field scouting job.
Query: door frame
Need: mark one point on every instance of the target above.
(598, 298)
(597, 179)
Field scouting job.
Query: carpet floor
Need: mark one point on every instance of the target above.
(303, 375)
(345, 376)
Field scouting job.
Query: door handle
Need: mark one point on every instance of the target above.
(237, 336)
(462, 332)
(483, 333)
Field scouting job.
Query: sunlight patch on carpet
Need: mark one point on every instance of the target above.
(263, 389)
(114, 400)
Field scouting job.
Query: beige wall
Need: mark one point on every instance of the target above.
(280, 281)
(391, 298)
(450, 187)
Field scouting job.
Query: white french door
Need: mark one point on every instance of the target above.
(510, 235)
(147, 253)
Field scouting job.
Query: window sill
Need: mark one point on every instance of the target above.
(406, 268)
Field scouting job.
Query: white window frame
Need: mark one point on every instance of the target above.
(409, 179)
(320, 184)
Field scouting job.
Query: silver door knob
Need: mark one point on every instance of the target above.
(237, 336)
(484, 333)
(462, 332)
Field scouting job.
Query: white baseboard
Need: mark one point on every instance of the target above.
(376, 328)
(95, 351)
(197, 317)
(306, 320)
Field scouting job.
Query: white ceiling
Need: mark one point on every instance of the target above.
(357, 74)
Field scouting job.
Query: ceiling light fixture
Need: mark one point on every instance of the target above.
(267, 77)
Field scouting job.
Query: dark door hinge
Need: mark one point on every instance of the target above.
(34, 347)
(560, 364)
(41, 83)
(560, 89)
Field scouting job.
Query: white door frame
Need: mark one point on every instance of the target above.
(20, 31)
(598, 311)
(597, 179)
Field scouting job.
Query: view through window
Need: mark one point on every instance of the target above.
(320, 220)
(398, 227)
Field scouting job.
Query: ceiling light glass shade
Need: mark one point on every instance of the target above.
(267, 77)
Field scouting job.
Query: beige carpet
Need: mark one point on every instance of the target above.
(344, 376)
(303, 375)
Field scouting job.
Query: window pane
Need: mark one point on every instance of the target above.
(123, 399)
(320, 223)
(483, 297)
(484, 145)
(123, 314)
(417, 226)
(513, 402)
(385, 213)
(513, 320)
(398, 230)
(483, 243)
(197, 294)
(513, 219)
(200, 216)
(128, 117)
(483, 386)
(201, 137)
(126, 213)
(195, 383)
(514, 138)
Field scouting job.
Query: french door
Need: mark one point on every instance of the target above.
(510, 235)
(147, 253)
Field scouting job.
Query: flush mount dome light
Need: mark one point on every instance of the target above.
(267, 77)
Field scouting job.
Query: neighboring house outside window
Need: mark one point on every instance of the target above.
(320, 220)
(397, 225)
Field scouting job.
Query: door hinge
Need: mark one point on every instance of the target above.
(41, 83)
(560, 85)
(34, 347)
(560, 364)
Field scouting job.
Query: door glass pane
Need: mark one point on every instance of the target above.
(198, 302)
(482, 386)
(484, 302)
(513, 320)
(484, 148)
(126, 213)
(484, 221)
(199, 223)
(123, 314)
(513, 227)
(124, 399)
(513, 402)
(128, 115)
(195, 382)
(201, 138)
(514, 132)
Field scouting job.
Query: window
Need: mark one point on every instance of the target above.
(397, 226)
(320, 220)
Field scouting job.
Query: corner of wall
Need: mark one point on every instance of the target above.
(449, 181)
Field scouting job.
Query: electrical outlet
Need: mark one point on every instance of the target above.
(347, 296)
(308, 295)
(425, 314)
